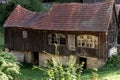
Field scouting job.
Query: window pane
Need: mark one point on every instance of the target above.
(57, 39)
(89, 41)
(62, 41)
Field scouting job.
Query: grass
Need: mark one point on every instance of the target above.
(103, 74)
(113, 74)
(27, 73)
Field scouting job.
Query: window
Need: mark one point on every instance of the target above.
(88, 41)
(57, 39)
(24, 33)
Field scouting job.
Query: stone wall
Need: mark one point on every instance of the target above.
(19, 55)
(91, 62)
(44, 57)
(27, 56)
(23, 56)
(94, 63)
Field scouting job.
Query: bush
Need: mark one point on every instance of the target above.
(57, 71)
(113, 62)
(9, 68)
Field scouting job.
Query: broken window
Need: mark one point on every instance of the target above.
(57, 39)
(89, 41)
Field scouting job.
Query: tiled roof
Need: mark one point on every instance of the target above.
(65, 17)
(21, 17)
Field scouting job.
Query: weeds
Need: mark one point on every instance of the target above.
(57, 71)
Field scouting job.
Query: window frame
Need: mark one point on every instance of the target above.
(24, 34)
(58, 37)
(87, 41)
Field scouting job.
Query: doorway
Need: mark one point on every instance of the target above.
(82, 59)
(36, 58)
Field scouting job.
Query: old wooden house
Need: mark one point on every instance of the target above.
(86, 30)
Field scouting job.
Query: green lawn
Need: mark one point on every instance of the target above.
(113, 74)
(27, 73)
(110, 74)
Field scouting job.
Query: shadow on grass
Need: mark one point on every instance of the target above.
(27, 73)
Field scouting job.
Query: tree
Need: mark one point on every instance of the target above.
(33, 5)
(5, 10)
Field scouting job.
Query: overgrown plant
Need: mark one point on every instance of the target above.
(95, 75)
(57, 71)
(9, 68)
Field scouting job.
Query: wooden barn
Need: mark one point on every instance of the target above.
(86, 30)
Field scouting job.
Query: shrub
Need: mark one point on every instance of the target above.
(95, 75)
(113, 62)
(9, 68)
(57, 71)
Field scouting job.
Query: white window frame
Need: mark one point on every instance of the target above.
(88, 41)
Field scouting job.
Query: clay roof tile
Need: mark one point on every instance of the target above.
(65, 17)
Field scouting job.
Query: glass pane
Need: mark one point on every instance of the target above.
(62, 41)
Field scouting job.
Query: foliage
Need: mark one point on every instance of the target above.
(28, 74)
(113, 62)
(2, 14)
(1, 38)
(57, 71)
(104, 74)
(33, 5)
(9, 68)
(5, 10)
(95, 75)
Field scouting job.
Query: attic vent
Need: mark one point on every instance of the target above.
(24, 33)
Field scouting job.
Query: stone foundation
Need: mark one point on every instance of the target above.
(91, 62)
(19, 55)
(44, 57)
(23, 56)
(28, 57)
(94, 63)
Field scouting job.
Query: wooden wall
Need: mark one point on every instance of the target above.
(14, 39)
(37, 41)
